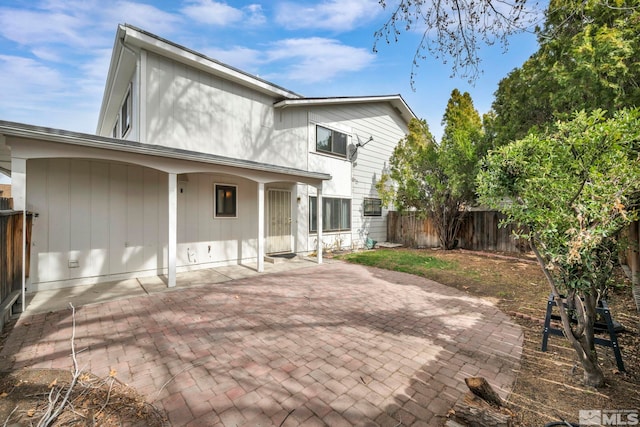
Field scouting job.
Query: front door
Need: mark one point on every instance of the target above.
(278, 221)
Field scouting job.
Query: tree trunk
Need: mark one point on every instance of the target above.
(582, 337)
(584, 343)
(447, 219)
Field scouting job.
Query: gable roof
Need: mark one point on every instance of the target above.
(129, 37)
(396, 101)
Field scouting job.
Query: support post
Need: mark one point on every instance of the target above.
(172, 241)
(320, 215)
(19, 193)
(260, 255)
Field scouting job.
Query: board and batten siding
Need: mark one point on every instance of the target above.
(94, 220)
(205, 241)
(99, 221)
(193, 110)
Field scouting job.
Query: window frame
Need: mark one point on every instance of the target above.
(331, 151)
(313, 214)
(116, 128)
(125, 113)
(225, 187)
(372, 206)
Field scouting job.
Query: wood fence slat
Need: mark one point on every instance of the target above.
(480, 231)
(11, 228)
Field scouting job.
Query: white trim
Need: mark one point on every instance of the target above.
(128, 102)
(396, 101)
(142, 39)
(172, 242)
(142, 97)
(261, 240)
(215, 201)
(162, 158)
(319, 246)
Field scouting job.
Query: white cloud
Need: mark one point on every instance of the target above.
(255, 15)
(56, 71)
(317, 59)
(28, 27)
(212, 12)
(309, 60)
(244, 58)
(333, 15)
(20, 75)
(141, 15)
(35, 93)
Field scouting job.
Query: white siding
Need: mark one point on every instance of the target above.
(95, 220)
(354, 179)
(100, 221)
(193, 110)
(207, 241)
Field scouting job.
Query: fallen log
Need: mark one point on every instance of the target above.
(481, 406)
(481, 388)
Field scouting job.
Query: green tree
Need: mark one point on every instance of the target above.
(437, 179)
(461, 146)
(571, 190)
(587, 60)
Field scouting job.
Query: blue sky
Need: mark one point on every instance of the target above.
(54, 54)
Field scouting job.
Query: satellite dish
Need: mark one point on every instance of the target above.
(353, 149)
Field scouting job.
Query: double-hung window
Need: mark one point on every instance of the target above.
(331, 141)
(336, 214)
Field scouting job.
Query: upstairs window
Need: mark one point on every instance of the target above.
(372, 207)
(331, 141)
(226, 201)
(125, 113)
(123, 118)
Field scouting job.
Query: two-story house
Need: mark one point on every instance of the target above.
(197, 164)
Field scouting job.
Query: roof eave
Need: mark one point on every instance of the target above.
(86, 140)
(111, 74)
(396, 101)
(139, 38)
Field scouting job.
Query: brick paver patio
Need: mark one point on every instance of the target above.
(329, 345)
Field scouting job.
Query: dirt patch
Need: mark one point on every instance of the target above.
(549, 384)
(26, 398)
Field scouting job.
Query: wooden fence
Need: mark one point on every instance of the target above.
(11, 258)
(480, 231)
(6, 203)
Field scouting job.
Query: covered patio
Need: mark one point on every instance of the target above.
(25, 144)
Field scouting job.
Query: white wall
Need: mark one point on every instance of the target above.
(190, 109)
(356, 178)
(205, 241)
(95, 219)
(100, 221)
